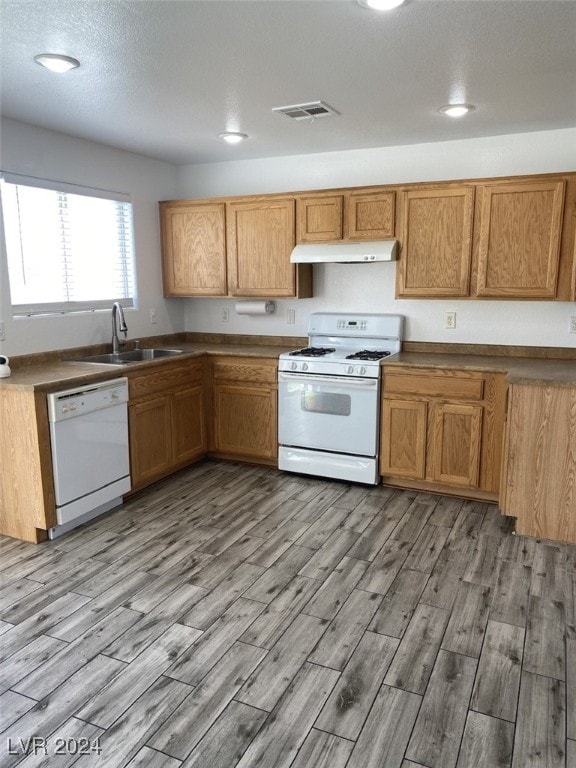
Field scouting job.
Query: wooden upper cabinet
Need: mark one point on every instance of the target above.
(261, 236)
(519, 239)
(357, 214)
(319, 219)
(193, 249)
(370, 215)
(436, 236)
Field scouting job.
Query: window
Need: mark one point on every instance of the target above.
(68, 249)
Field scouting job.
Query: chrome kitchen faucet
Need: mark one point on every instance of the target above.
(116, 342)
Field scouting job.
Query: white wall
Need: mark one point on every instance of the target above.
(370, 287)
(37, 152)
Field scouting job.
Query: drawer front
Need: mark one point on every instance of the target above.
(165, 378)
(443, 386)
(242, 369)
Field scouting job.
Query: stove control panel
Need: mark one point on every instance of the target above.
(314, 367)
(352, 325)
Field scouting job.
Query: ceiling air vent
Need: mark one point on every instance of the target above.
(312, 110)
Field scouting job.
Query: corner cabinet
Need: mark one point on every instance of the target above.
(193, 248)
(166, 416)
(356, 214)
(245, 411)
(442, 429)
(260, 239)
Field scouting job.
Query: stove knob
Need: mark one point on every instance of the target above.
(304, 366)
(350, 369)
(294, 366)
(362, 370)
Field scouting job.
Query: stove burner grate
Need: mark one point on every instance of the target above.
(312, 352)
(368, 354)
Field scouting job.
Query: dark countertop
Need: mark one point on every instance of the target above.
(519, 370)
(61, 374)
(64, 374)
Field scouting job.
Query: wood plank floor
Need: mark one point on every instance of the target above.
(238, 616)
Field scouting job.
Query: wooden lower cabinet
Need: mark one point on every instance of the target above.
(166, 415)
(189, 424)
(245, 410)
(456, 442)
(539, 478)
(403, 450)
(442, 429)
(27, 497)
(151, 453)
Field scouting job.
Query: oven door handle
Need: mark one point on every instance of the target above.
(313, 378)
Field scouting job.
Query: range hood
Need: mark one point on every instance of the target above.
(344, 253)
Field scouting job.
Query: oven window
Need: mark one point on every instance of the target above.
(326, 402)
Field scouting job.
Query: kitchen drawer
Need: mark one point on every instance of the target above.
(442, 384)
(165, 378)
(245, 369)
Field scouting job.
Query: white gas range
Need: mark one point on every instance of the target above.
(329, 396)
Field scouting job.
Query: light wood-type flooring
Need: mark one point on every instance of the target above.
(239, 616)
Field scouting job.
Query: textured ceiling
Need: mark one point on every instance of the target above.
(164, 78)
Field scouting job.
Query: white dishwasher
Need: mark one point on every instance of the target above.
(90, 452)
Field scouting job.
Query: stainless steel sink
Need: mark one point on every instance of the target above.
(135, 356)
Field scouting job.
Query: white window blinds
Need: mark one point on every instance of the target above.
(67, 252)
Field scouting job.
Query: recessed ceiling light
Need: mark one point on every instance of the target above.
(456, 110)
(231, 137)
(56, 63)
(380, 5)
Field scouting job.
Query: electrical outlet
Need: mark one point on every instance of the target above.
(449, 320)
(2, 332)
(572, 324)
(153, 319)
(291, 316)
(225, 315)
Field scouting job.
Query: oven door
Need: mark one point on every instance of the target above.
(328, 413)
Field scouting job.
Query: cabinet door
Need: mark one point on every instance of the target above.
(540, 483)
(193, 249)
(188, 424)
(150, 426)
(519, 239)
(245, 420)
(319, 219)
(403, 438)
(436, 235)
(573, 287)
(261, 236)
(370, 216)
(456, 444)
